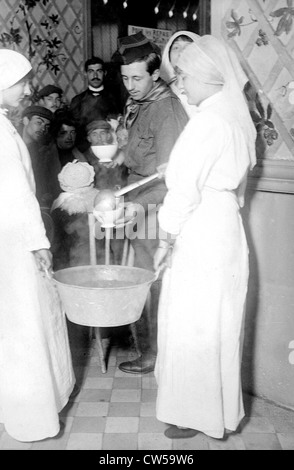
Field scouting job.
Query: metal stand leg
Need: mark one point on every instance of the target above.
(125, 252)
(93, 259)
(92, 239)
(107, 245)
(148, 306)
(100, 350)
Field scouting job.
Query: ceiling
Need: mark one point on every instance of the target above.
(141, 11)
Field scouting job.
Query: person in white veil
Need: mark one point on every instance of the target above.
(175, 45)
(173, 48)
(204, 249)
(36, 374)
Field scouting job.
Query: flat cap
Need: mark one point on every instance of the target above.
(48, 90)
(98, 124)
(135, 46)
(37, 111)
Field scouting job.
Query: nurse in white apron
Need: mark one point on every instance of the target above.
(36, 374)
(204, 290)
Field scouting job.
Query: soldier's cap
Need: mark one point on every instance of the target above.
(135, 46)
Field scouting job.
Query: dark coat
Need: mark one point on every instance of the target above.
(86, 107)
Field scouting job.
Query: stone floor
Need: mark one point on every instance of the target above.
(116, 411)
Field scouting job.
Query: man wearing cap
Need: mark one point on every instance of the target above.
(100, 132)
(96, 102)
(107, 176)
(154, 119)
(36, 123)
(44, 156)
(50, 97)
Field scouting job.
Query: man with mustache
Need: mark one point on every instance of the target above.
(95, 103)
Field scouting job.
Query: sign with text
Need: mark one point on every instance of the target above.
(158, 36)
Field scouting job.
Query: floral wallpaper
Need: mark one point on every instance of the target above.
(50, 34)
(262, 34)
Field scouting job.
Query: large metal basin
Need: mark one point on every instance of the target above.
(103, 295)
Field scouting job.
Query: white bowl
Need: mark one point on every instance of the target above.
(104, 153)
(109, 218)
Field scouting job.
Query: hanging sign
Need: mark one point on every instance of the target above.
(158, 36)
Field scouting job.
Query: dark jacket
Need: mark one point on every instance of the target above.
(86, 107)
(46, 166)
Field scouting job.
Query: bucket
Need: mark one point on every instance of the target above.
(103, 296)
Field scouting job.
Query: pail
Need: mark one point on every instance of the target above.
(103, 296)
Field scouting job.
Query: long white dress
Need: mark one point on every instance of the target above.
(36, 375)
(203, 293)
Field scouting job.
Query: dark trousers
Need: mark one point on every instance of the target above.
(147, 324)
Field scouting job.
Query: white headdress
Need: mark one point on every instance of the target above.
(13, 67)
(167, 72)
(211, 61)
(76, 179)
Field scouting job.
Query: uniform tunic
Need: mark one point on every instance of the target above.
(203, 293)
(36, 375)
(152, 136)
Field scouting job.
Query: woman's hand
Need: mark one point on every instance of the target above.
(162, 256)
(44, 260)
(161, 169)
(131, 210)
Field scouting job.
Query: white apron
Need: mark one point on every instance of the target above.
(36, 375)
(203, 293)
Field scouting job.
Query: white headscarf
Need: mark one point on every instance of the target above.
(211, 61)
(167, 72)
(13, 67)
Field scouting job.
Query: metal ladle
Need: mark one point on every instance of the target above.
(111, 197)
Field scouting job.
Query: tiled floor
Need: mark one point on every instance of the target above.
(116, 411)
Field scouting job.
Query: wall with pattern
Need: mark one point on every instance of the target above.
(51, 34)
(262, 34)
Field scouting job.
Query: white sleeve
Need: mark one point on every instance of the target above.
(196, 151)
(19, 209)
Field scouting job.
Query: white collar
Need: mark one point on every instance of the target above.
(96, 90)
(210, 100)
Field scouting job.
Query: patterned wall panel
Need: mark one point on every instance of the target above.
(262, 34)
(51, 35)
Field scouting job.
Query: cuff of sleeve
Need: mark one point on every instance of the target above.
(45, 245)
(167, 239)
